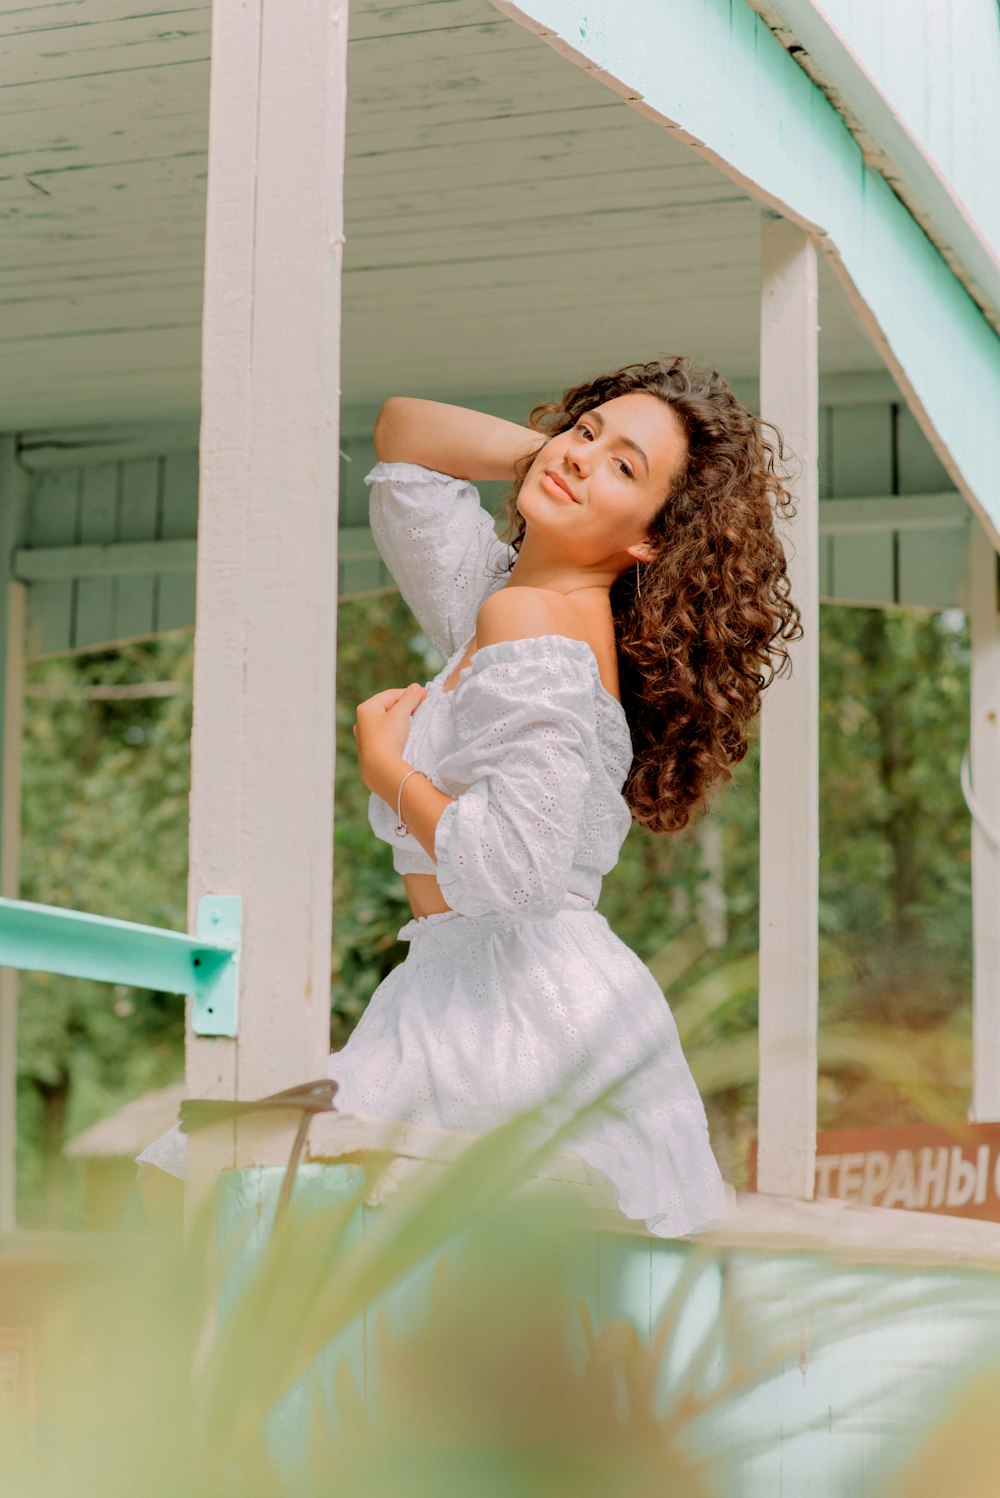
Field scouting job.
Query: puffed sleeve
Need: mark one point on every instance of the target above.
(440, 546)
(524, 724)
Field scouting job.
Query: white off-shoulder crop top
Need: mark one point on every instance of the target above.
(530, 743)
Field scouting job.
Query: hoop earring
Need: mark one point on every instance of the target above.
(638, 589)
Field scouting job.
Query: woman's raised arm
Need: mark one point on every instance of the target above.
(451, 439)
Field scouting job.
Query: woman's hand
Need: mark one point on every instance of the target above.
(380, 731)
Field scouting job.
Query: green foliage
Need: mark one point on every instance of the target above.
(896, 864)
(378, 646)
(104, 829)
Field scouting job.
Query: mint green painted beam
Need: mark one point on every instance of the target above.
(43, 938)
(938, 67)
(713, 74)
(828, 56)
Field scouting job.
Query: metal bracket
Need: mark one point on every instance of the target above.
(215, 967)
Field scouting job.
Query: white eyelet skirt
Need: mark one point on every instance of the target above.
(494, 1013)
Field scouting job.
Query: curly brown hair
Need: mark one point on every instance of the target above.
(713, 605)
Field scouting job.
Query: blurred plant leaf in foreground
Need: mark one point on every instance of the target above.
(961, 1453)
(161, 1373)
(195, 1372)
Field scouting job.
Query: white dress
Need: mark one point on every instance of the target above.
(520, 994)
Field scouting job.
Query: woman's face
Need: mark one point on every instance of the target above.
(596, 488)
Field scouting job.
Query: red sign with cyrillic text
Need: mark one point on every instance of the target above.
(918, 1167)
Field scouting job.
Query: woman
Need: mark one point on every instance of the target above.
(601, 667)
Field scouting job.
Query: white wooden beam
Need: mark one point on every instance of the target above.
(263, 744)
(111, 559)
(984, 621)
(789, 738)
(13, 495)
(48, 451)
(879, 513)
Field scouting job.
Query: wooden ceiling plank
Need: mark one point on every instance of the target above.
(184, 137)
(80, 247)
(76, 115)
(385, 18)
(480, 28)
(85, 183)
(127, 44)
(388, 246)
(639, 186)
(78, 15)
(68, 278)
(32, 320)
(596, 148)
(129, 348)
(409, 285)
(521, 75)
(377, 128)
(457, 134)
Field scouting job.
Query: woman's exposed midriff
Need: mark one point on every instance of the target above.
(424, 894)
(425, 897)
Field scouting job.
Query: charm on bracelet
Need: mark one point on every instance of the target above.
(401, 828)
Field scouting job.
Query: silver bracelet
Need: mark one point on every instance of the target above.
(401, 827)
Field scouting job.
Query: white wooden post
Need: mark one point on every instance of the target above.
(13, 490)
(263, 745)
(789, 738)
(984, 620)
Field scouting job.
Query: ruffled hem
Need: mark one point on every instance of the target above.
(493, 1014)
(168, 1153)
(638, 1195)
(411, 473)
(633, 1198)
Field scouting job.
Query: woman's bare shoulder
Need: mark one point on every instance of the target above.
(523, 613)
(518, 613)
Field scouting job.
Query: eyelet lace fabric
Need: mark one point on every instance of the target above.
(535, 753)
(440, 546)
(521, 994)
(492, 1013)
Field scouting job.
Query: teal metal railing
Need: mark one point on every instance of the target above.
(44, 938)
